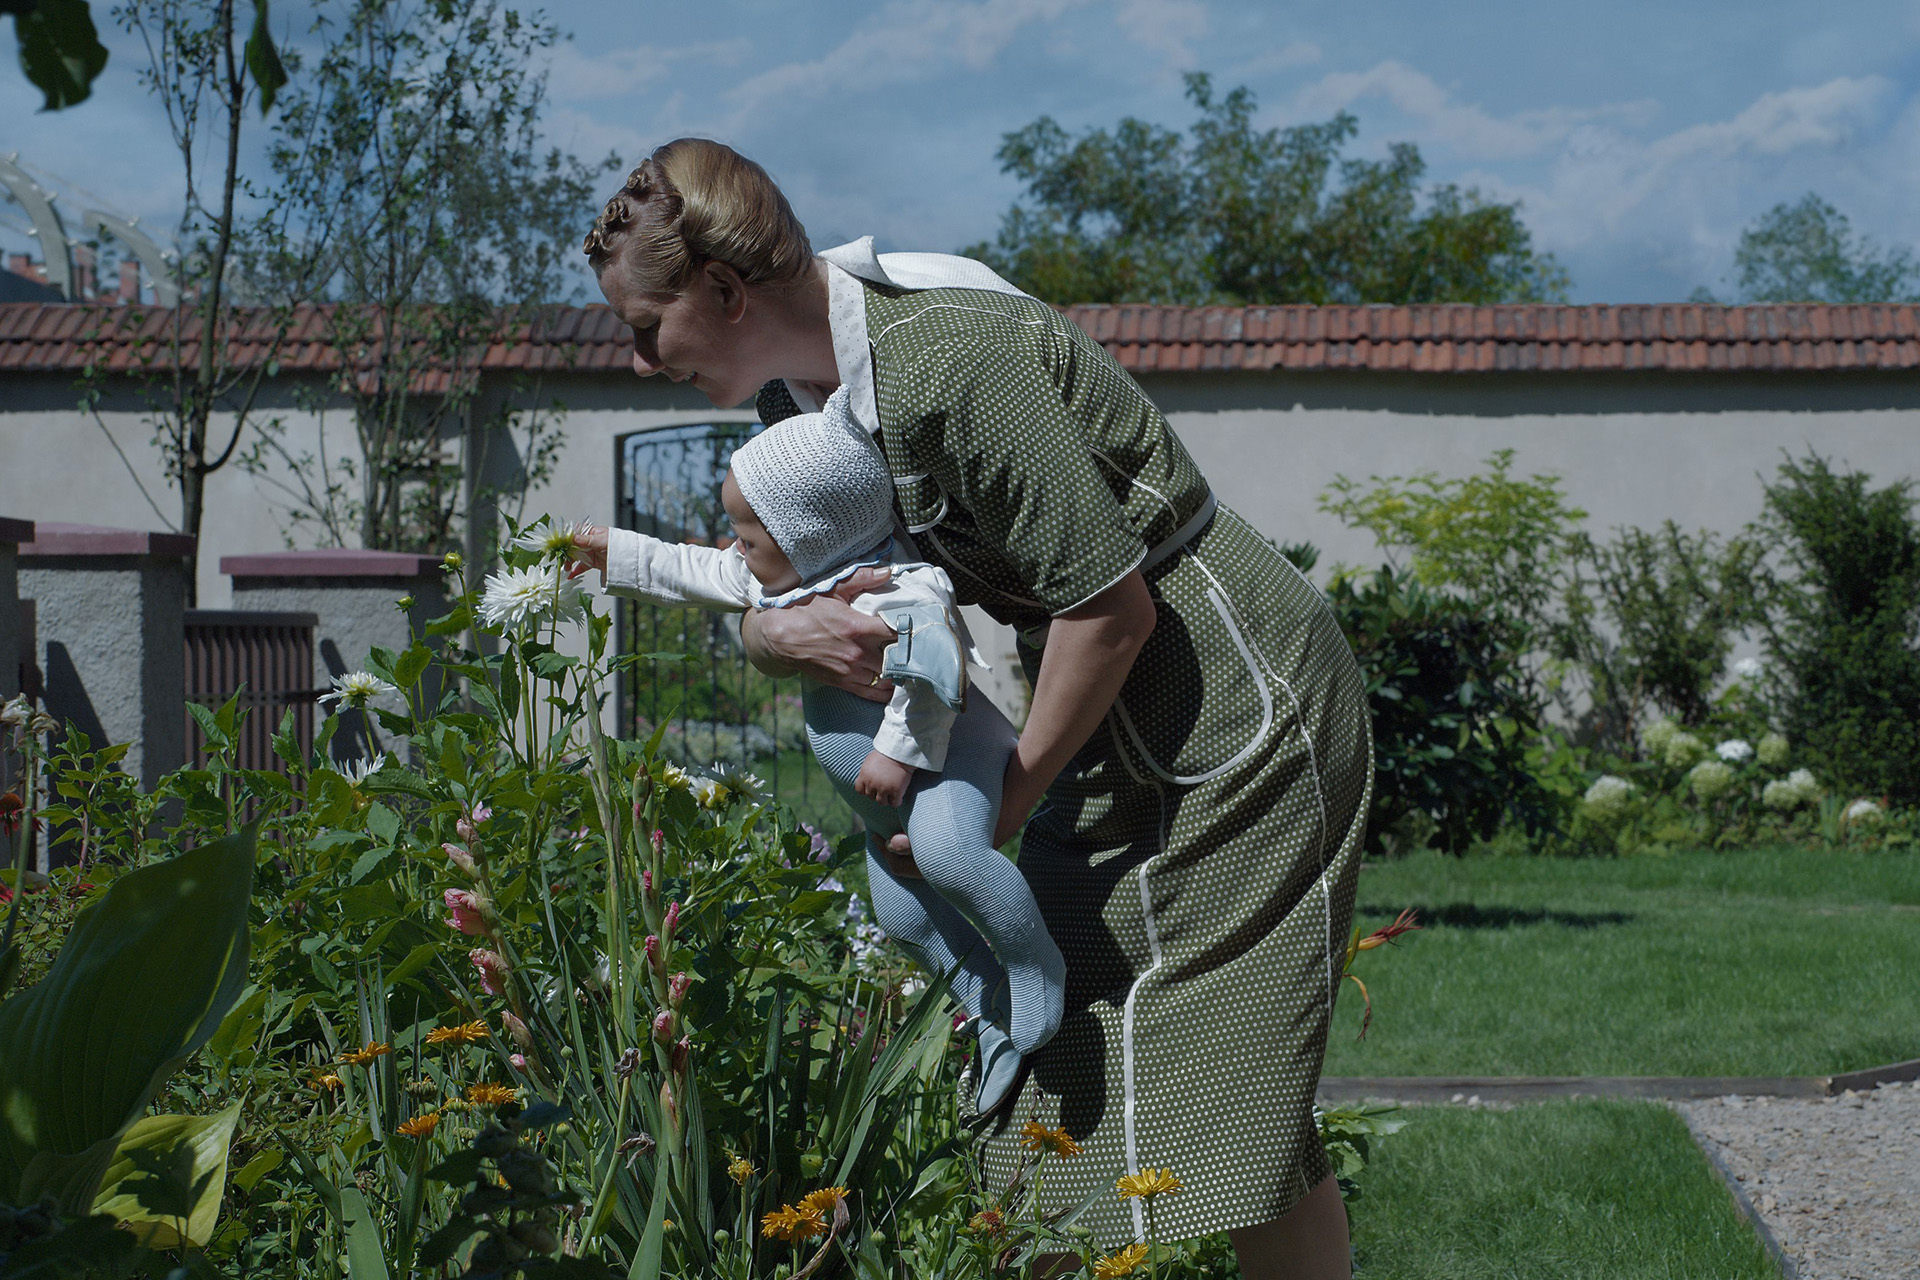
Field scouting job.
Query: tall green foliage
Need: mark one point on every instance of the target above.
(1232, 214)
(1809, 252)
(1845, 601)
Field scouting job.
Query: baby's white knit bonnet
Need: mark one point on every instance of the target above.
(819, 484)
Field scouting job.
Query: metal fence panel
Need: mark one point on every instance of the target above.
(268, 658)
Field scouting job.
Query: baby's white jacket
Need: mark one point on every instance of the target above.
(916, 726)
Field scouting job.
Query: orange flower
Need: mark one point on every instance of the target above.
(1035, 1136)
(491, 1095)
(793, 1225)
(987, 1222)
(464, 1033)
(420, 1126)
(327, 1082)
(823, 1201)
(362, 1056)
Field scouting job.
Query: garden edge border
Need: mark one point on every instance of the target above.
(1789, 1270)
(1530, 1088)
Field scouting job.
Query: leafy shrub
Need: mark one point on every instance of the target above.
(1649, 618)
(1842, 611)
(1451, 726)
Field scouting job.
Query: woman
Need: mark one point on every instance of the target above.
(1197, 740)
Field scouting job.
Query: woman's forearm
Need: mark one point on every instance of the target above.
(753, 636)
(1088, 656)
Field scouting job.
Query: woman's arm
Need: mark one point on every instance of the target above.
(1089, 654)
(825, 638)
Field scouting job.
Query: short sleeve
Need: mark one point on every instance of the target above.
(990, 422)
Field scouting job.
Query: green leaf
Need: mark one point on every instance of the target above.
(60, 49)
(263, 59)
(383, 822)
(145, 977)
(411, 666)
(258, 1167)
(646, 1259)
(366, 1260)
(201, 1143)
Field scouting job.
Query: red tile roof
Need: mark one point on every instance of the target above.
(1145, 339)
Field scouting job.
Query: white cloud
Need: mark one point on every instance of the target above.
(612, 73)
(1465, 128)
(1300, 53)
(1165, 27)
(901, 43)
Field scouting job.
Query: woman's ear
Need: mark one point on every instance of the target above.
(729, 291)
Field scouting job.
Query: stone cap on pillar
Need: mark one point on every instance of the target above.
(15, 531)
(329, 562)
(55, 539)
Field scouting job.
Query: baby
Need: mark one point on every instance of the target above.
(811, 500)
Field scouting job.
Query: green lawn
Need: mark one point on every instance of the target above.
(1761, 962)
(1558, 1191)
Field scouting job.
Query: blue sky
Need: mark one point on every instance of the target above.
(1640, 136)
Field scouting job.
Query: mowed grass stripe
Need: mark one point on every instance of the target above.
(1553, 1191)
(1749, 963)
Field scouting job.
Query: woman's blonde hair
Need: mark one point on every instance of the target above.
(693, 202)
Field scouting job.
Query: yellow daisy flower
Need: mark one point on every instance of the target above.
(420, 1126)
(740, 1170)
(1147, 1184)
(365, 1055)
(822, 1201)
(464, 1033)
(1123, 1263)
(1035, 1136)
(327, 1082)
(793, 1225)
(491, 1095)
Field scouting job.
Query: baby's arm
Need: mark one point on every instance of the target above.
(677, 573)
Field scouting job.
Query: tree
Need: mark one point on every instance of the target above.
(1808, 252)
(1230, 214)
(206, 79)
(418, 135)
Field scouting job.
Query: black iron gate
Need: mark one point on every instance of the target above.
(717, 708)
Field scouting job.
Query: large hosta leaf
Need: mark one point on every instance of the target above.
(143, 980)
(193, 1149)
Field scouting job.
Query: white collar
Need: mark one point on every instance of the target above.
(878, 555)
(848, 265)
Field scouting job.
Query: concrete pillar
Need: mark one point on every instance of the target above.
(108, 607)
(353, 593)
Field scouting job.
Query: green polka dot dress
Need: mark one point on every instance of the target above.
(1196, 861)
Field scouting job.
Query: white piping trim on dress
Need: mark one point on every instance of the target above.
(1129, 1135)
(1254, 668)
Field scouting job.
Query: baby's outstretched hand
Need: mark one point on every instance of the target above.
(883, 779)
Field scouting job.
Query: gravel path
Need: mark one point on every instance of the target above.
(1836, 1179)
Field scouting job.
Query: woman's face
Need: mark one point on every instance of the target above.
(692, 337)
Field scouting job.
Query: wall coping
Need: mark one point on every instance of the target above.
(15, 530)
(53, 538)
(329, 562)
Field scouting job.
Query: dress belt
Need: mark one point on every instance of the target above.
(1173, 545)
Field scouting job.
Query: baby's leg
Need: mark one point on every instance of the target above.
(840, 728)
(950, 820)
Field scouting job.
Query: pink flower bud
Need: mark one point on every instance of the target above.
(677, 988)
(469, 911)
(519, 1061)
(517, 1029)
(682, 1054)
(472, 819)
(670, 925)
(493, 970)
(670, 1103)
(646, 885)
(663, 1026)
(659, 842)
(459, 857)
(653, 953)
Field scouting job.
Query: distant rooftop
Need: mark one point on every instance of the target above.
(1145, 339)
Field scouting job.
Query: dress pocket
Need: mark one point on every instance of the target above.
(1198, 700)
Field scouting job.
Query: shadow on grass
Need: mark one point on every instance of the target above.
(1467, 915)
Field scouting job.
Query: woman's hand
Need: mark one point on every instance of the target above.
(825, 639)
(590, 547)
